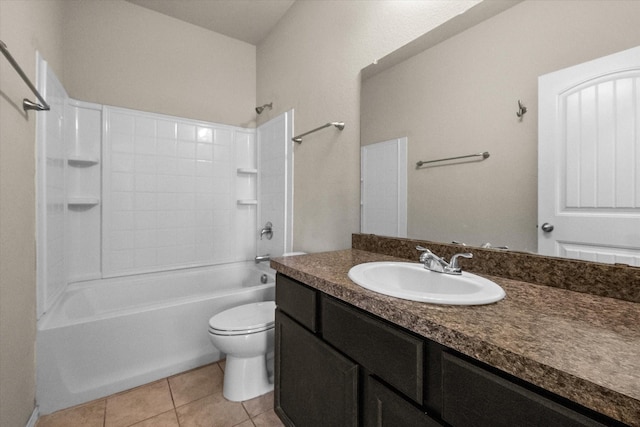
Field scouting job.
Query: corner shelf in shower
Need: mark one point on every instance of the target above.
(247, 202)
(83, 201)
(82, 161)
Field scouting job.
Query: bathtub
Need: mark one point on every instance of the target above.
(105, 336)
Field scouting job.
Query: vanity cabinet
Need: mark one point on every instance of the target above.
(337, 365)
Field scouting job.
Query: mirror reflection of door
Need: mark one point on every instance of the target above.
(384, 188)
(589, 160)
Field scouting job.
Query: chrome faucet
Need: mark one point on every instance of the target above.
(261, 258)
(433, 262)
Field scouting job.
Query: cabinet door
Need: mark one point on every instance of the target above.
(314, 385)
(385, 408)
(476, 397)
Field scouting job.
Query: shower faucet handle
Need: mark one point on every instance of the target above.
(268, 230)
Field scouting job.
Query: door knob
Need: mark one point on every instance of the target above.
(547, 228)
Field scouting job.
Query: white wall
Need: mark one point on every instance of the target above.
(311, 62)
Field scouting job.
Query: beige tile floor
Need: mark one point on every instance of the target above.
(190, 399)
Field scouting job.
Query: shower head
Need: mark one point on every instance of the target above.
(260, 109)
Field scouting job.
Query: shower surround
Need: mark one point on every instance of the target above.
(170, 194)
(142, 192)
(147, 226)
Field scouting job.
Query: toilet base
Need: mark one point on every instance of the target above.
(245, 378)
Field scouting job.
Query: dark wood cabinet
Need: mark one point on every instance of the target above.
(300, 302)
(475, 397)
(315, 385)
(394, 355)
(384, 407)
(337, 365)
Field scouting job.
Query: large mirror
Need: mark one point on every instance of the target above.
(459, 96)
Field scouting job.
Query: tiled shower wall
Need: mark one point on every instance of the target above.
(169, 193)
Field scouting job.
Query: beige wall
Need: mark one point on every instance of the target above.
(311, 62)
(25, 26)
(460, 97)
(121, 54)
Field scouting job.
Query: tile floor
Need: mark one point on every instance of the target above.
(190, 399)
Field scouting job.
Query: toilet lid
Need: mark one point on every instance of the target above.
(249, 318)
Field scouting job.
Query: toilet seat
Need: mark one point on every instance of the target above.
(244, 319)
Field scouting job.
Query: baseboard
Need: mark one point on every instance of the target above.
(34, 418)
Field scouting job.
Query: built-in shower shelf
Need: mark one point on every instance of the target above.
(247, 202)
(82, 161)
(83, 201)
(247, 171)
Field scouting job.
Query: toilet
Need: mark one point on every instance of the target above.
(245, 334)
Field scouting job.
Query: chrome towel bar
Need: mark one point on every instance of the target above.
(26, 104)
(484, 155)
(298, 139)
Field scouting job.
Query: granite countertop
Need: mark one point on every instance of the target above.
(580, 346)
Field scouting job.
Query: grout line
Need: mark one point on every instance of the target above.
(173, 400)
(245, 409)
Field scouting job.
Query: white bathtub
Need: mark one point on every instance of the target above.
(109, 335)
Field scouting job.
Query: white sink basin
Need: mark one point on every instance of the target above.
(411, 281)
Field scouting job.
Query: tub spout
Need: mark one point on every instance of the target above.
(261, 258)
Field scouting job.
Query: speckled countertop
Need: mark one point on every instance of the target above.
(580, 346)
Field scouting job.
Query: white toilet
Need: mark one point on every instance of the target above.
(245, 334)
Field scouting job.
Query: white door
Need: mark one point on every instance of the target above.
(383, 194)
(589, 160)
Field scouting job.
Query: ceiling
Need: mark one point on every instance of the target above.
(246, 20)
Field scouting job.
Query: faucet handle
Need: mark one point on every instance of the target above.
(432, 261)
(268, 230)
(424, 250)
(454, 267)
(426, 253)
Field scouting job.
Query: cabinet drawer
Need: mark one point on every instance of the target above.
(384, 408)
(476, 397)
(394, 355)
(298, 301)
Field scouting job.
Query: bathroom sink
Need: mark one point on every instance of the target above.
(411, 281)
